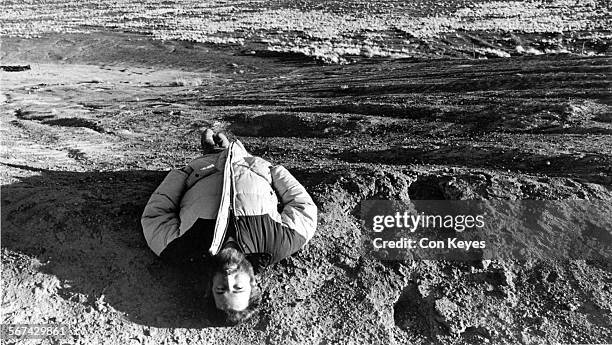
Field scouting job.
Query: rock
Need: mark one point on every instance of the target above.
(448, 315)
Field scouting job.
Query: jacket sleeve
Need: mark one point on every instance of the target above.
(160, 219)
(299, 211)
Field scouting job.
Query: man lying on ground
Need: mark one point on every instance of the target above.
(222, 211)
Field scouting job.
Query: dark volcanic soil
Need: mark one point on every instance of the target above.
(91, 129)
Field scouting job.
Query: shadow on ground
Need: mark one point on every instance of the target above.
(593, 167)
(85, 229)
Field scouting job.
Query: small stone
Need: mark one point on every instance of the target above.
(571, 306)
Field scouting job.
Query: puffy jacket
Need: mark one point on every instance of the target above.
(231, 189)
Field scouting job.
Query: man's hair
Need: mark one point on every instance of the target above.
(227, 261)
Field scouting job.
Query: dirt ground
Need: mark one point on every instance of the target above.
(91, 129)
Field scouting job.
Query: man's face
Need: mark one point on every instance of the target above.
(231, 291)
(232, 280)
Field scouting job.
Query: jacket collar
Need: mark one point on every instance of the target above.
(238, 151)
